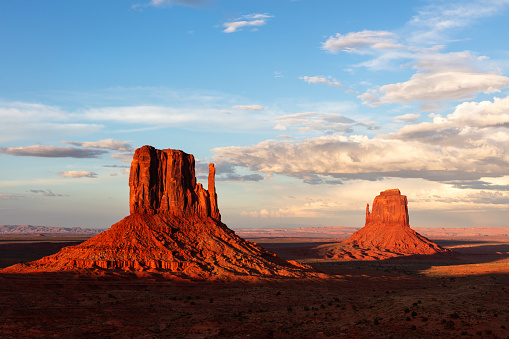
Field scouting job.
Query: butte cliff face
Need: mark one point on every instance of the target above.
(386, 234)
(164, 182)
(174, 228)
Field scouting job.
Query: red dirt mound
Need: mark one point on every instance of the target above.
(386, 234)
(174, 227)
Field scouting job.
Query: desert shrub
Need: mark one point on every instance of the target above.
(449, 325)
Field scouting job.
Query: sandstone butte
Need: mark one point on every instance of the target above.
(386, 234)
(174, 228)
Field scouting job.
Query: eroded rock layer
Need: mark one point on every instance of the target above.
(190, 247)
(174, 227)
(386, 233)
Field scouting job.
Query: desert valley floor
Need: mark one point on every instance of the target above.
(463, 294)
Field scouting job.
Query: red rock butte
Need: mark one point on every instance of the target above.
(174, 228)
(386, 234)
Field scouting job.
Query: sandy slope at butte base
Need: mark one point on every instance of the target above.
(389, 298)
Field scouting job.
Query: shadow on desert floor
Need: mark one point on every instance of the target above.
(468, 257)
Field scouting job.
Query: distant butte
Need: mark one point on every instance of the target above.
(174, 228)
(386, 234)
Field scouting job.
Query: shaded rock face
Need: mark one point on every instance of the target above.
(174, 228)
(386, 234)
(163, 181)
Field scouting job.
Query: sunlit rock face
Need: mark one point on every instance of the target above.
(387, 227)
(163, 181)
(174, 228)
(386, 234)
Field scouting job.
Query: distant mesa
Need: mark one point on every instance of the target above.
(386, 234)
(41, 230)
(174, 228)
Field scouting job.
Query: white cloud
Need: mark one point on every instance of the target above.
(111, 144)
(321, 80)
(435, 22)
(123, 156)
(411, 117)
(470, 143)
(440, 77)
(313, 121)
(249, 107)
(28, 120)
(361, 42)
(77, 174)
(453, 85)
(251, 20)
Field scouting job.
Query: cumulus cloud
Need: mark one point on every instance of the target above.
(472, 124)
(430, 87)
(321, 80)
(251, 20)
(470, 143)
(77, 174)
(249, 107)
(110, 144)
(52, 151)
(440, 77)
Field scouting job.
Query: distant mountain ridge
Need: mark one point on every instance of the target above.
(30, 229)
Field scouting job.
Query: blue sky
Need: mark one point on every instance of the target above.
(308, 108)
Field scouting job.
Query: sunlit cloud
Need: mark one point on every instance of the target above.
(110, 144)
(410, 117)
(430, 87)
(470, 143)
(251, 20)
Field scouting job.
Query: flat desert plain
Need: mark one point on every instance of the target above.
(463, 294)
